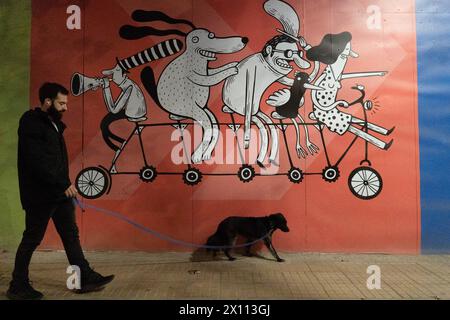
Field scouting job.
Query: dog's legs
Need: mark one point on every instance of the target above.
(248, 251)
(199, 115)
(227, 253)
(231, 239)
(268, 243)
(215, 135)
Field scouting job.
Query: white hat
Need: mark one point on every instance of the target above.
(287, 16)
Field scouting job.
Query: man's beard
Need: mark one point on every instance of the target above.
(54, 113)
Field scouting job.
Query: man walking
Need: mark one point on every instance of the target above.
(46, 192)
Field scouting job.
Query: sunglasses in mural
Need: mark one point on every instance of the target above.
(183, 89)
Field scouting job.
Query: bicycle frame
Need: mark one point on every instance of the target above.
(192, 175)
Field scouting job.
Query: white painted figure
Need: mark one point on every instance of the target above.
(242, 92)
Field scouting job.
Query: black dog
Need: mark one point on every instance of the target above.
(251, 228)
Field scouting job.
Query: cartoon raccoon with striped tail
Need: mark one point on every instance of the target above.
(158, 51)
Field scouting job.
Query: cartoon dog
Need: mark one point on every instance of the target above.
(183, 87)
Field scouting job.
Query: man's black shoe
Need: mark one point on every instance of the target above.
(23, 291)
(94, 281)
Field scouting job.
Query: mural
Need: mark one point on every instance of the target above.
(183, 91)
(183, 113)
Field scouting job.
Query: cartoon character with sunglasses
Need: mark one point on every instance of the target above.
(242, 92)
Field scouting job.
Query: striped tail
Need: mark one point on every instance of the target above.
(158, 51)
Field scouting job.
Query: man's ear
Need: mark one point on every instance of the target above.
(48, 102)
(269, 50)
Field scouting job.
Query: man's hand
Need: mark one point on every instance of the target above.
(71, 192)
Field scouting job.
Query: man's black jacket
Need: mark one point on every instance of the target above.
(42, 160)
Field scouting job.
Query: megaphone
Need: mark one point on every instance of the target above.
(80, 84)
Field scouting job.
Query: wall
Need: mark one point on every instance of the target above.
(434, 102)
(323, 216)
(15, 19)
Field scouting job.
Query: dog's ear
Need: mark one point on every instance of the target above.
(278, 214)
(280, 218)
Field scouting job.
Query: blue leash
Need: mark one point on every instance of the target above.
(156, 233)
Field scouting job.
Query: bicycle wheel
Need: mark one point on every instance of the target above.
(365, 183)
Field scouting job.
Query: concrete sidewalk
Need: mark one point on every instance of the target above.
(303, 276)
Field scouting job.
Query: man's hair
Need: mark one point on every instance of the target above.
(276, 40)
(50, 90)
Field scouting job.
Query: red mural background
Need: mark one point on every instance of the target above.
(322, 216)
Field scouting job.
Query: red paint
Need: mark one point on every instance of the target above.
(322, 217)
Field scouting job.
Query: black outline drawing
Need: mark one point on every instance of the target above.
(183, 87)
(130, 104)
(242, 92)
(364, 182)
(334, 50)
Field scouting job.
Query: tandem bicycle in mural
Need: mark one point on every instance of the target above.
(183, 90)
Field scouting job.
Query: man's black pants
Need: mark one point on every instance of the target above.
(36, 221)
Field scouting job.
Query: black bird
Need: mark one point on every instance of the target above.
(288, 101)
(290, 108)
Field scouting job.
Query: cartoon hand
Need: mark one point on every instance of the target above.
(230, 72)
(104, 82)
(343, 104)
(302, 42)
(279, 98)
(232, 64)
(99, 83)
(312, 148)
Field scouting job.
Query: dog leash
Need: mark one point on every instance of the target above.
(157, 234)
